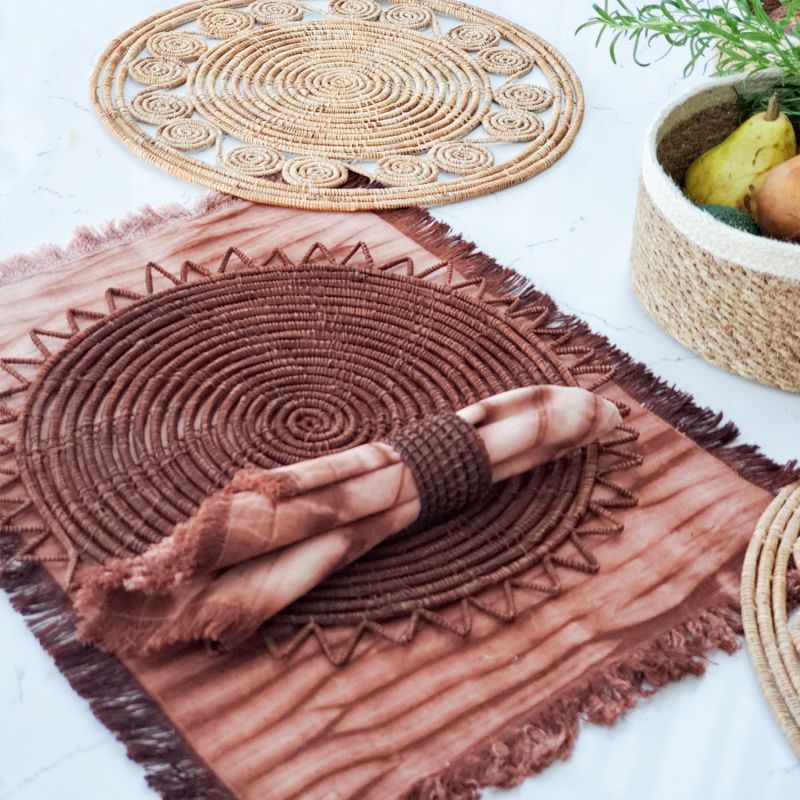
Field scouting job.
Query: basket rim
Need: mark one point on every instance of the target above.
(750, 252)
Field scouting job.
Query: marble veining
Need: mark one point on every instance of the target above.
(569, 230)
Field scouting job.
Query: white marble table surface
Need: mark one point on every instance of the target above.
(569, 230)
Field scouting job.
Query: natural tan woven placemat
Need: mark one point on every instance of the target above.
(297, 103)
(768, 586)
(484, 691)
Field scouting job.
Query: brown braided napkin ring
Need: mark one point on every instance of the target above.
(449, 462)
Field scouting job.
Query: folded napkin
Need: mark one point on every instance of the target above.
(270, 536)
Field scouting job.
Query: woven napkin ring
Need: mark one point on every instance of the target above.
(449, 463)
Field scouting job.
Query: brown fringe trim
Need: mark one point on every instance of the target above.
(533, 744)
(87, 241)
(704, 426)
(172, 767)
(530, 746)
(195, 548)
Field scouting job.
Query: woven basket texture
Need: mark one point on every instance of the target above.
(732, 297)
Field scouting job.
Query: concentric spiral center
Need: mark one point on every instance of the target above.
(361, 93)
(138, 418)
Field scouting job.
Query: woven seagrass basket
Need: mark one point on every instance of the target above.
(732, 297)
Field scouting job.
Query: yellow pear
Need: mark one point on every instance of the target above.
(729, 173)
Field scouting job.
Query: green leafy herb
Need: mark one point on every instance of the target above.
(787, 88)
(738, 35)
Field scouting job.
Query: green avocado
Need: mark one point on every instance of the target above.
(733, 217)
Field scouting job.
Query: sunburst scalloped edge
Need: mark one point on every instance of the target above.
(535, 316)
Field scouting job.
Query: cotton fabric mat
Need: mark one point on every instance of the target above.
(483, 693)
(296, 104)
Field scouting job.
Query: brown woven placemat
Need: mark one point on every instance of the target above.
(442, 699)
(158, 405)
(285, 102)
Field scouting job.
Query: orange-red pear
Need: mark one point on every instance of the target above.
(777, 202)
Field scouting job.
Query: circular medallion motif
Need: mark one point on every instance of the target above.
(405, 170)
(272, 12)
(307, 88)
(139, 417)
(158, 108)
(408, 16)
(254, 160)
(156, 71)
(353, 82)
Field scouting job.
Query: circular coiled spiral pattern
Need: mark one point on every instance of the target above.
(253, 160)
(415, 18)
(773, 637)
(405, 170)
(188, 134)
(356, 9)
(179, 45)
(313, 171)
(271, 12)
(526, 96)
(366, 82)
(505, 61)
(131, 424)
(472, 37)
(158, 71)
(462, 158)
(330, 100)
(513, 125)
(224, 23)
(158, 108)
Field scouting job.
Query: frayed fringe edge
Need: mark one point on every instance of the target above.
(171, 767)
(704, 426)
(530, 746)
(87, 241)
(547, 736)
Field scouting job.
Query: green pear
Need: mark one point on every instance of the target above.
(728, 174)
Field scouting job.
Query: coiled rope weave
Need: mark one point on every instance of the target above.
(138, 418)
(684, 262)
(449, 462)
(773, 646)
(287, 103)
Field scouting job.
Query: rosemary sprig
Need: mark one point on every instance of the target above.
(738, 35)
(786, 88)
